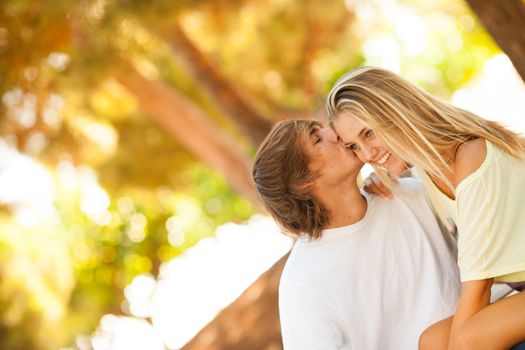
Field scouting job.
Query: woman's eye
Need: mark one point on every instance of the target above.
(369, 133)
(317, 140)
(351, 146)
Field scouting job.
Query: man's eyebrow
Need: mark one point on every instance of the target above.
(313, 130)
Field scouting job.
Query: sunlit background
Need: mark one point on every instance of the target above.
(127, 220)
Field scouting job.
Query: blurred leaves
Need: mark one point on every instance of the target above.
(126, 195)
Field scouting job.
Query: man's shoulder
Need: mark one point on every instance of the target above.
(411, 191)
(295, 279)
(411, 185)
(313, 262)
(410, 198)
(301, 264)
(408, 193)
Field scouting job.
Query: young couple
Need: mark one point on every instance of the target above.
(372, 273)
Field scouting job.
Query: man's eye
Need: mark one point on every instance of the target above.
(369, 133)
(317, 140)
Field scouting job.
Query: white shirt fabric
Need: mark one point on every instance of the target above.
(376, 284)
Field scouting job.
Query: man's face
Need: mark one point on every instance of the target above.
(329, 157)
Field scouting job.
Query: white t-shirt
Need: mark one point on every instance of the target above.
(376, 284)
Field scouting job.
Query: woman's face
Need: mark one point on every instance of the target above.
(369, 148)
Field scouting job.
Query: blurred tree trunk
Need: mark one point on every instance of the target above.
(250, 323)
(234, 104)
(184, 120)
(505, 21)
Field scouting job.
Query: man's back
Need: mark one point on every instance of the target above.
(376, 284)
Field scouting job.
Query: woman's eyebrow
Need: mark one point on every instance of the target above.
(362, 131)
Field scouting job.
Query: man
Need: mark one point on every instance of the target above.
(365, 272)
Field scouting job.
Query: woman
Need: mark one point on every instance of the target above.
(474, 172)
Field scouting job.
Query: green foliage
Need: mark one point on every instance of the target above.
(59, 68)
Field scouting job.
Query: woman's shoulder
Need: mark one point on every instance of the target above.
(469, 158)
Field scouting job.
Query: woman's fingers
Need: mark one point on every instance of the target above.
(373, 184)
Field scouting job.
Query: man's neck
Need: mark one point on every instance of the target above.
(346, 206)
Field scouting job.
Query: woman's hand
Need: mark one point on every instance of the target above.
(373, 185)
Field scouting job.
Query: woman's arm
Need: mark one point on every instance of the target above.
(475, 295)
(374, 185)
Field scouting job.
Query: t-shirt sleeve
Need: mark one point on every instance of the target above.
(307, 322)
(490, 219)
(474, 222)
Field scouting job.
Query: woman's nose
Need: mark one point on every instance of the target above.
(368, 152)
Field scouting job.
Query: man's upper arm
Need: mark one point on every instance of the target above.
(307, 321)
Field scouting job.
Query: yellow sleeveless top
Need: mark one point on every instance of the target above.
(489, 212)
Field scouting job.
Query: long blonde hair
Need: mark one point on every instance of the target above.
(417, 126)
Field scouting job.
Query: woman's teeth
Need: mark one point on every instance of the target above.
(384, 158)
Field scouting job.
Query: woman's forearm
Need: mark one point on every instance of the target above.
(475, 295)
